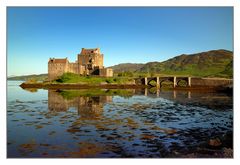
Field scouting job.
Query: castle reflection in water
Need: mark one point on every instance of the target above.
(84, 105)
(93, 105)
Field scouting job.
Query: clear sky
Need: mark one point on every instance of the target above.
(136, 35)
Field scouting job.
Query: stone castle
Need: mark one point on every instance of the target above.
(89, 62)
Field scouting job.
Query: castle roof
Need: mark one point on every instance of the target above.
(90, 51)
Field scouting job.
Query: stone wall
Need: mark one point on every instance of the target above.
(73, 68)
(106, 72)
(97, 59)
(56, 69)
(211, 82)
(81, 69)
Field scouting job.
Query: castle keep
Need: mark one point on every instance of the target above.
(89, 62)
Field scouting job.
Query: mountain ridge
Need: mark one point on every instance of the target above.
(209, 63)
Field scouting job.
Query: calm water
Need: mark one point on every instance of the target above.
(112, 123)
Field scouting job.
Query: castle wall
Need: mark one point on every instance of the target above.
(83, 59)
(106, 72)
(56, 69)
(73, 68)
(97, 59)
(81, 69)
(91, 54)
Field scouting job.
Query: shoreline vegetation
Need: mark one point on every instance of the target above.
(74, 81)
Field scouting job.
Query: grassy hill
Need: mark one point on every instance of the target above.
(127, 67)
(75, 78)
(228, 70)
(40, 77)
(213, 63)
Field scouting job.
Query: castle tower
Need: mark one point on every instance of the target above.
(56, 67)
(91, 58)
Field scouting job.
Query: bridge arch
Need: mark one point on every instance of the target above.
(166, 80)
(158, 81)
(183, 81)
(186, 80)
(152, 80)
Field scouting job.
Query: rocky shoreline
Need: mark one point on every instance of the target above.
(79, 86)
(217, 147)
(119, 86)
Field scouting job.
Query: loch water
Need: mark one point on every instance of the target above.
(116, 123)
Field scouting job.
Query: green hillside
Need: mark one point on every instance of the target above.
(211, 63)
(228, 70)
(126, 67)
(40, 77)
(215, 63)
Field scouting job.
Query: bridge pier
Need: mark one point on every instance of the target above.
(158, 91)
(189, 81)
(146, 92)
(145, 81)
(174, 81)
(158, 83)
(189, 94)
(174, 94)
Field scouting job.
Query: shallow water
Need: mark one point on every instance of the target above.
(112, 123)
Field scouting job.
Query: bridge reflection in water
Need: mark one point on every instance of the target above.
(158, 93)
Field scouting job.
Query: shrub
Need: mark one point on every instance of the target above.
(31, 80)
(125, 74)
(108, 81)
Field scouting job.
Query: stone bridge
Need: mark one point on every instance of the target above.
(187, 81)
(148, 81)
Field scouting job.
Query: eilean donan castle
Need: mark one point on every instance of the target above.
(89, 62)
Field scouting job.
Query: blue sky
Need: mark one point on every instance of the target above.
(136, 35)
